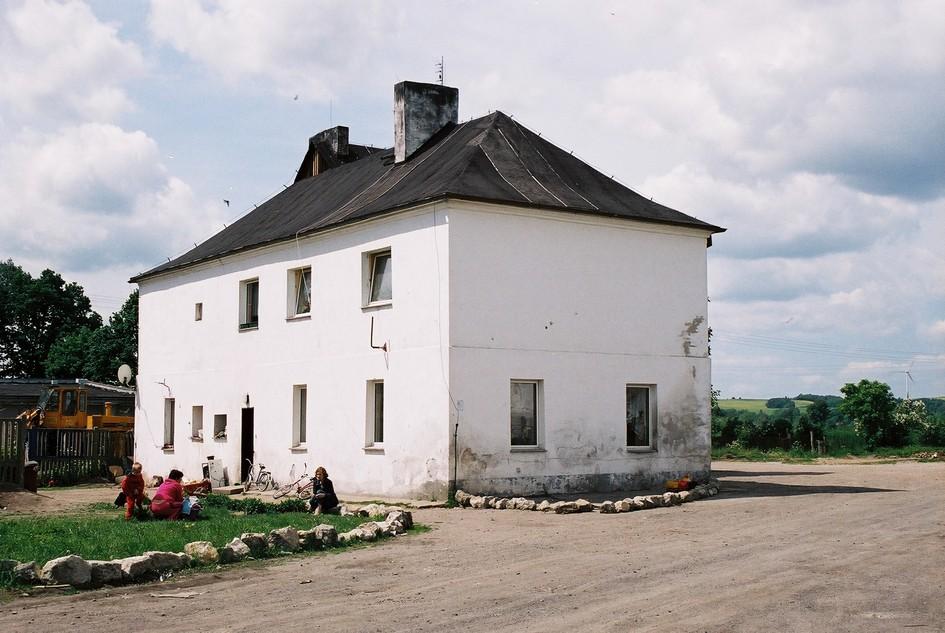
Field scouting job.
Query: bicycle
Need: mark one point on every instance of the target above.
(258, 476)
(302, 491)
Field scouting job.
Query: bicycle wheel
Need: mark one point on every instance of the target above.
(264, 481)
(283, 491)
(305, 492)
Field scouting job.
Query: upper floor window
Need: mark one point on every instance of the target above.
(381, 272)
(249, 304)
(300, 291)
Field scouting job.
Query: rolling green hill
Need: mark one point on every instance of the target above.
(757, 405)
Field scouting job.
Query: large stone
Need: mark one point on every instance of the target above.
(462, 498)
(26, 573)
(654, 501)
(168, 561)
(370, 531)
(564, 507)
(373, 509)
(308, 540)
(544, 506)
(671, 499)
(350, 536)
(521, 503)
(476, 502)
(685, 496)
(203, 552)
(583, 505)
(106, 572)
(136, 567)
(327, 534)
(502, 503)
(67, 570)
(623, 505)
(284, 539)
(234, 551)
(256, 541)
(404, 516)
(607, 507)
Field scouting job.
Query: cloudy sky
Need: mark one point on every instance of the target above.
(814, 131)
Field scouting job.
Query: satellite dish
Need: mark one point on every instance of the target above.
(124, 374)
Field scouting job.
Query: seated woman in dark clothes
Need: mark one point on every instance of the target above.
(323, 499)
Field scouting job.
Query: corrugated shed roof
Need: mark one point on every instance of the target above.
(492, 159)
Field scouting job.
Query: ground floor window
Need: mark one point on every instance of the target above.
(375, 421)
(524, 413)
(219, 426)
(299, 414)
(168, 422)
(641, 403)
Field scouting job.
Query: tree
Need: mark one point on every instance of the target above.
(34, 314)
(870, 405)
(97, 354)
(818, 413)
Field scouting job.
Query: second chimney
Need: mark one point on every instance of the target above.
(420, 111)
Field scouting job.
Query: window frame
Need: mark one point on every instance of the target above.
(369, 272)
(371, 440)
(651, 418)
(170, 413)
(293, 288)
(299, 416)
(538, 391)
(245, 307)
(196, 422)
(219, 431)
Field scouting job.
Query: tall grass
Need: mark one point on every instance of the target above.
(101, 535)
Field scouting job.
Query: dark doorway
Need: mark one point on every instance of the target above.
(247, 447)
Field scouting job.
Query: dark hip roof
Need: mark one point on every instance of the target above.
(490, 159)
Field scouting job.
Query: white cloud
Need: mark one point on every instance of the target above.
(58, 59)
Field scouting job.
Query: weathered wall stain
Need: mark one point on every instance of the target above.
(691, 328)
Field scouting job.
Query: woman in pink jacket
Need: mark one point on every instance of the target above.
(169, 498)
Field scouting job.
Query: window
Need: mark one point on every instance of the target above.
(83, 401)
(249, 304)
(68, 402)
(219, 426)
(168, 422)
(196, 424)
(300, 291)
(524, 412)
(641, 403)
(380, 271)
(375, 421)
(198, 312)
(299, 414)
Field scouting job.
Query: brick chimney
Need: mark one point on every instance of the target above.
(420, 111)
(336, 138)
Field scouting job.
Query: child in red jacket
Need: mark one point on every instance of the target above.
(133, 487)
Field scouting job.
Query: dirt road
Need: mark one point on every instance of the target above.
(783, 548)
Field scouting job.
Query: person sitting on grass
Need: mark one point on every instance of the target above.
(169, 498)
(133, 487)
(324, 498)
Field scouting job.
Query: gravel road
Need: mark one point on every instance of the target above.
(826, 547)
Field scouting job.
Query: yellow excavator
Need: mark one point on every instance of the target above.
(67, 406)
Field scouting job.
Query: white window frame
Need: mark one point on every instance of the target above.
(371, 440)
(299, 416)
(538, 386)
(219, 426)
(651, 404)
(368, 273)
(169, 415)
(294, 279)
(245, 323)
(196, 422)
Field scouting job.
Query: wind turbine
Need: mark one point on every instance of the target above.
(909, 379)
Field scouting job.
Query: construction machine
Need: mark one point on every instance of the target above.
(68, 406)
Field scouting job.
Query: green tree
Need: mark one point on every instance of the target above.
(818, 413)
(870, 404)
(97, 354)
(34, 314)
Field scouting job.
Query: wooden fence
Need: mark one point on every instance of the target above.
(66, 456)
(11, 451)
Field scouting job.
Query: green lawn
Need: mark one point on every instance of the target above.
(757, 406)
(103, 534)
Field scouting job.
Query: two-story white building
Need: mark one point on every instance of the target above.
(474, 308)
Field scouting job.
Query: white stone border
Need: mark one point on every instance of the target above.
(77, 572)
(641, 502)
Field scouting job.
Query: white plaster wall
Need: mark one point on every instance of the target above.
(212, 363)
(587, 305)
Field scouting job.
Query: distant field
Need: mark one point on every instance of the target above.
(757, 405)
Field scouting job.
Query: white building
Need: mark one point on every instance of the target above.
(476, 307)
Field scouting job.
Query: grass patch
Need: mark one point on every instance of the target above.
(757, 405)
(802, 456)
(103, 534)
